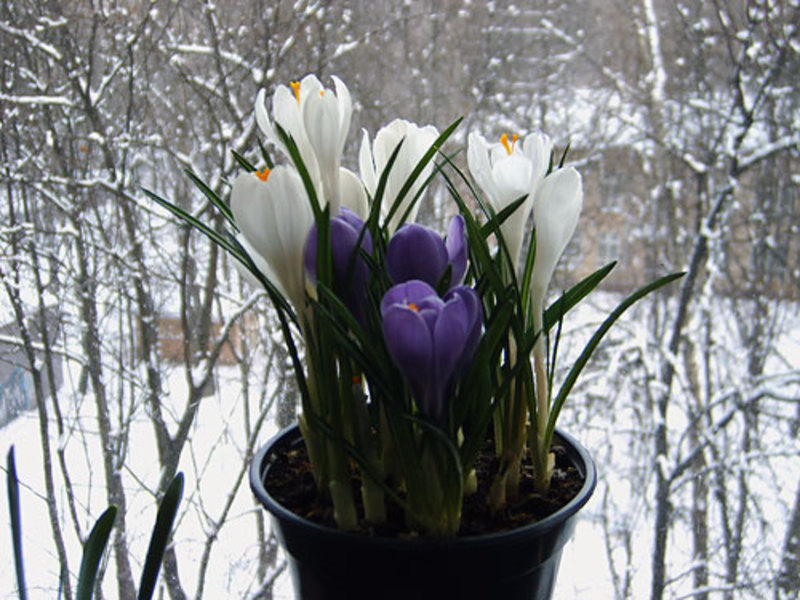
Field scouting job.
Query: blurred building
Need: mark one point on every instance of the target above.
(17, 392)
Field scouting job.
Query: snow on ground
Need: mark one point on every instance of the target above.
(211, 466)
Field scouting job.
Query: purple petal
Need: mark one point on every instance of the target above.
(416, 252)
(474, 311)
(410, 292)
(310, 254)
(456, 244)
(348, 216)
(410, 344)
(350, 270)
(472, 303)
(449, 337)
(343, 245)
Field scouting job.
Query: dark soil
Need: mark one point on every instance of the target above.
(290, 482)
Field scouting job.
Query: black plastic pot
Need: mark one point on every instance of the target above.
(327, 564)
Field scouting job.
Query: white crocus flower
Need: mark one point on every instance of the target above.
(373, 159)
(558, 204)
(274, 220)
(318, 120)
(506, 171)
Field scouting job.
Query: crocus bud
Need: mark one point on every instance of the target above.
(350, 271)
(418, 252)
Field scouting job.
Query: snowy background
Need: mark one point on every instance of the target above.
(130, 349)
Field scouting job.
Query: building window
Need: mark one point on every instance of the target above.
(608, 248)
(612, 191)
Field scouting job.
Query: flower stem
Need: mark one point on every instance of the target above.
(341, 489)
(543, 460)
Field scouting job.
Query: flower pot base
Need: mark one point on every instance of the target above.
(327, 564)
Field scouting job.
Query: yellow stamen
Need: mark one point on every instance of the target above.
(322, 93)
(296, 87)
(504, 140)
(263, 175)
(413, 307)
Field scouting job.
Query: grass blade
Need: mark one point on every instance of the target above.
(590, 347)
(160, 537)
(556, 311)
(16, 522)
(243, 162)
(212, 197)
(93, 553)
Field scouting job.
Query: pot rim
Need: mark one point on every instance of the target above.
(277, 510)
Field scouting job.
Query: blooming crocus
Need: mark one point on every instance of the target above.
(350, 271)
(431, 340)
(318, 120)
(274, 221)
(506, 171)
(418, 252)
(373, 159)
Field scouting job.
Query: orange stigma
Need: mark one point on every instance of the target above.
(263, 175)
(504, 140)
(413, 307)
(295, 85)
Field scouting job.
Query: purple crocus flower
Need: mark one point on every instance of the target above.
(418, 252)
(350, 273)
(431, 339)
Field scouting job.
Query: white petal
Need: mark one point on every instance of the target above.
(345, 110)
(352, 193)
(309, 86)
(286, 111)
(538, 147)
(386, 141)
(260, 263)
(416, 141)
(512, 177)
(275, 218)
(263, 121)
(555, 213)
(478, 163)
(366, 164)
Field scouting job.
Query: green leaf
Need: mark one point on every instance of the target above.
(246, 164)
(162, 530)
(580, 363)
(265, 155)
(441, 436)
(212, 196)
(564, 157)
(300, 165)
(16, 522)
(216, 237)
(93, 553)
(377, 200)
(497, 219)
(556, 311)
